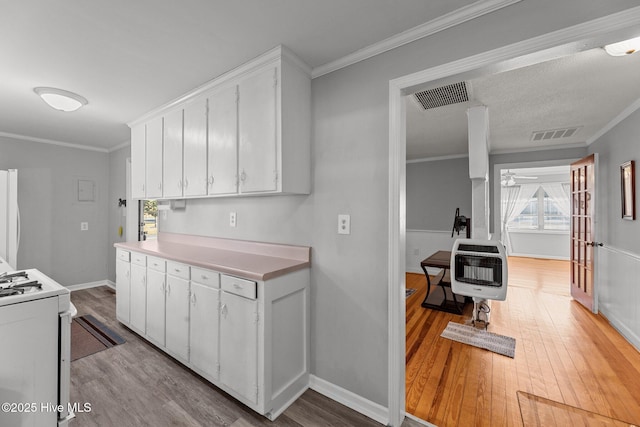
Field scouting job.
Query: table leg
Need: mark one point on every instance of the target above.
(426, 273)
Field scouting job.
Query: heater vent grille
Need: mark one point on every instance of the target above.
(445, 95)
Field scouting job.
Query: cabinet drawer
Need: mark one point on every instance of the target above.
(205, 277)
(157, 264)
(178, 269)
(138, 259)
(242, 287)
(123, 255)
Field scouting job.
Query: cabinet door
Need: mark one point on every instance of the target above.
(138, 161)
(223, 141)
(138, 306)
(204, 329)
(177, 329)
(258, 132)
(155, 305)
(172, 149)
(239, 345)
(153, 156)
(123, 289)
(195, 148)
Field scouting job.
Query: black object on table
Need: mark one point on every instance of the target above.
(445, 299)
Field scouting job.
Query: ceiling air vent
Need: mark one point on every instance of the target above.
(445, 95)
(551, 134)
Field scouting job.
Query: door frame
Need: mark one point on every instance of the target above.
(588, 35)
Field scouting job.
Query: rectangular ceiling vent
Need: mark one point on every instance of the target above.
(445, 95)
(551, 134)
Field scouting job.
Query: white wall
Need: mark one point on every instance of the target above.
(619, 259)
(51, 240)
(117, 190)
(350, 175)
(540, 244)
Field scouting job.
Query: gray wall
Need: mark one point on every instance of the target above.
(117, 190)
(51, 240)
(617, 146)
(350, 175)
(434, 190)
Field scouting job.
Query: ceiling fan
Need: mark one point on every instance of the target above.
(508, 178)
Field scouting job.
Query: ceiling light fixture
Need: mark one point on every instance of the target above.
(59, 99)
(626, 47)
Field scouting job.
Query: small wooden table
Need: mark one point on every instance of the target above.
(449, 301)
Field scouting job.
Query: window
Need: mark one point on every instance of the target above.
(542, 212)
(149, 224)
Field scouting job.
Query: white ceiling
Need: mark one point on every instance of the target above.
(128, 57)
(586, 90)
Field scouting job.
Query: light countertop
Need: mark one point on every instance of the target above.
(250, 260)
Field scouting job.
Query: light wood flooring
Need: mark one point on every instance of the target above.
(134, 384)
(563, 353)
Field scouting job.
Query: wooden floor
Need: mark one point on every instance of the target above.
(134, 384)
(563, 353)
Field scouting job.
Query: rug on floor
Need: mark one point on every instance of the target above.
(409, 292)
(481, 338)
(89, 336)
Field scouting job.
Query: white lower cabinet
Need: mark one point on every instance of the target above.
(177, 316)
(251, 339)
(123, 289)
(138, 307)
(156, 306)
(239, 345)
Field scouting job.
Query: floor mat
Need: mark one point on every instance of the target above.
(480, 338)
(89, 336)
(538, 411)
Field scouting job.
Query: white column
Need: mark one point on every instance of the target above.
(478, 124)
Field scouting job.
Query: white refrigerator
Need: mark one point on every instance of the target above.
(9, 217)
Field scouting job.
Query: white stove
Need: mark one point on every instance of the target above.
(35, 331)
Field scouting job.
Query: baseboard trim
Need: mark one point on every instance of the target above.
(349, 399)
(89, 285)
(419, 420)
(619, 326)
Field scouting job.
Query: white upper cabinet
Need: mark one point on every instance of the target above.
(252, 138)
(138, 152)
(258, 166)
(195, 148)
(153, 186)
(172, 149)
(223, 141)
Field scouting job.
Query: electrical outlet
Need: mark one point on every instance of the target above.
(344, 224)
(84, 226)
(232, 219)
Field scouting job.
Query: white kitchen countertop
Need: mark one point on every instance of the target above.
(250, 260)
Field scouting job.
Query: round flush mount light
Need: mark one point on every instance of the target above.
(626, 47)
(59, 99)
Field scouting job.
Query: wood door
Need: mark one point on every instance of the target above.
(582, 231)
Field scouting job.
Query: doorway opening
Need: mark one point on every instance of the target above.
(589, 35)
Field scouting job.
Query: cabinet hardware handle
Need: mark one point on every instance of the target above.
(235, 285)
(168, 289)
(179, 183)
(223, 309)
(127, 274)
(193, 299)
(211, 180)
(204, 277)
(177, 270)
(243, 176)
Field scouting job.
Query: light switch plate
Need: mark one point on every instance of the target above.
(344, 224)
(84, 226)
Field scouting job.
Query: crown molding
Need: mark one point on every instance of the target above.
(545, 148)
(615, 121)
(119, 146)
(451, 19)
(53, 142)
